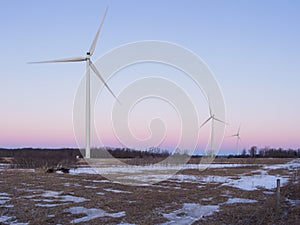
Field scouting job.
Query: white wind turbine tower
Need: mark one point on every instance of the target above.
(89, 65)
(238, 139)
(213, 118)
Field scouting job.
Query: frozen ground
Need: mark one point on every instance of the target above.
(91, 214)
(189, 213)
(154, 174)
(85, 197)
(141, 169)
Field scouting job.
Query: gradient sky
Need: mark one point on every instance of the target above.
(252, 47)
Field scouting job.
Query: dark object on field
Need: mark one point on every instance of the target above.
(64, 170)
(50, 170)
(58, 168)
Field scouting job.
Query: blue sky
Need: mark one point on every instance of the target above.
(252, 47)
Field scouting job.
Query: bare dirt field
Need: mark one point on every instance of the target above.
(229, 193)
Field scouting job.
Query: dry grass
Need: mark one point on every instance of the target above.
(245, 160)
(46, 163)
(145, 205)
(254, 161)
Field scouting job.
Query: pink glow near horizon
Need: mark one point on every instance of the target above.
(51, 136)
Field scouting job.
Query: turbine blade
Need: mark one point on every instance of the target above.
(220, 120)
(93, 46)
(93, 67)
(72, 59)
(205, 122)
(208, 101)
(239, 129)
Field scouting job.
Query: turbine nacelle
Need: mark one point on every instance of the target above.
(212, 117)
(238, 138)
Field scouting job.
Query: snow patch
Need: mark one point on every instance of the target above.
(57, 195)
(293, 202)
(189, 213)
(4, 198)
(239, 200)
(113, 169)
(250, 183)
(47, 205)
(8, 220)
(90, 187)
(91, 214)
(116, 190)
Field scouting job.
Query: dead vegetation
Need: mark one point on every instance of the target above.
(50, 164)
(146, 204)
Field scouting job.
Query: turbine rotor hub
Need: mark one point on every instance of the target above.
(88, 55)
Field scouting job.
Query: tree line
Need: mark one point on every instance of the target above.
(268, 152)
(154, 152)
(72, 153)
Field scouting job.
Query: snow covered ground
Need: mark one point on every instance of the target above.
(140, 169)
(91, 213)
(189, 213)
(154, 174)
(258, 178)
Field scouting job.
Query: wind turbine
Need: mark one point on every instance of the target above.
(89, 65)
(213, 118)
(237, 135)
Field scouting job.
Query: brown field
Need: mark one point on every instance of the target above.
(32, 197)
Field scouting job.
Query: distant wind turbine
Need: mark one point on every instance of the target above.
(238, 139)
(89, 65)
(213, 118)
